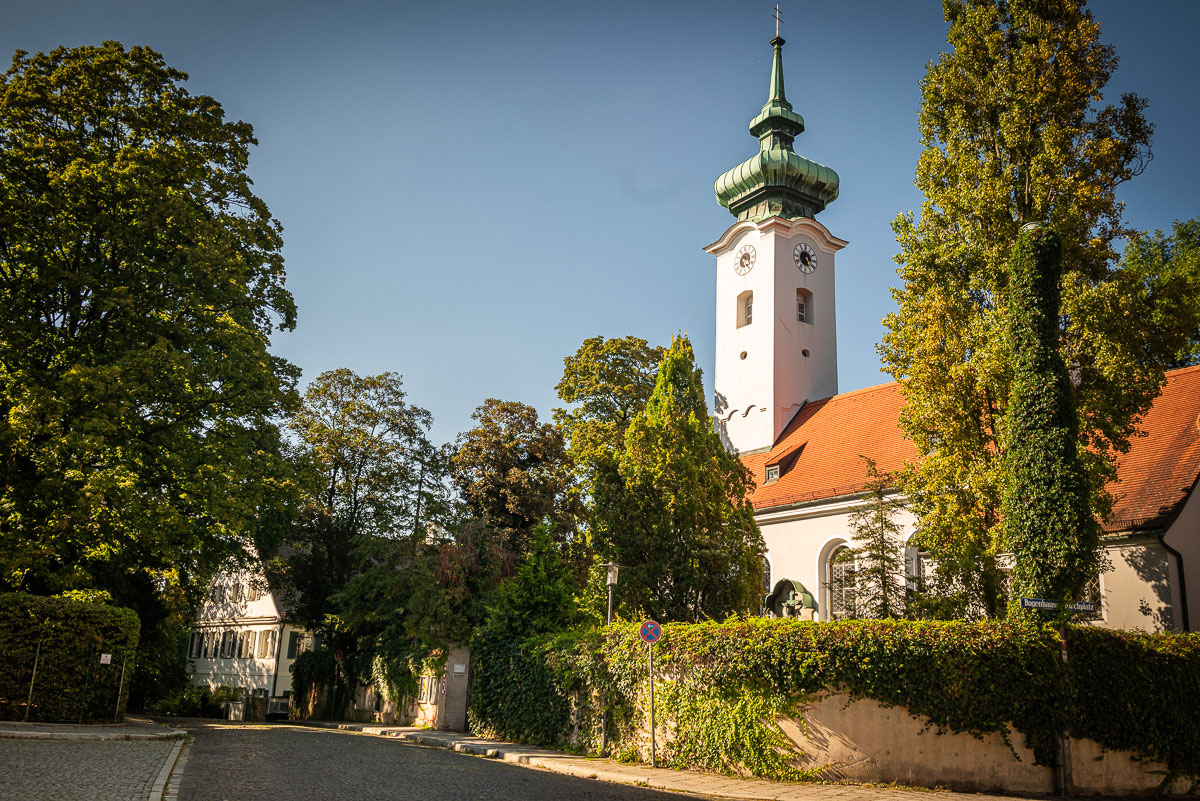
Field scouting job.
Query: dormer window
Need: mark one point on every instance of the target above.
(772, 473)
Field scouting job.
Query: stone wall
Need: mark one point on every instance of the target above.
(865, 742)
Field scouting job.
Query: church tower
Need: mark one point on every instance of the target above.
(776, 330)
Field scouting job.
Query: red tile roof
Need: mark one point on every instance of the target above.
(825, 439)
(1155, 477)
(819, 452)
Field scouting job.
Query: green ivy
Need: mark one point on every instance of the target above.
(51, 669)
(721, 688)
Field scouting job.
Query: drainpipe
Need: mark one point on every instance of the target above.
(278, 651)
(1183, 602)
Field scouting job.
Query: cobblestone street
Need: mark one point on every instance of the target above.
(230, 762)
(86, 770)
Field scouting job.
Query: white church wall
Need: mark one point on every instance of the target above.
(1184, 537)
(805, 357)
(742, 372)
(800, 541)
(1136, 592)
(762, 374)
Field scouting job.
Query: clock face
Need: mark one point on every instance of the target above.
(806, 258)
(744, 261)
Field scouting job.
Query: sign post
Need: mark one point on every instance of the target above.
(651, 633)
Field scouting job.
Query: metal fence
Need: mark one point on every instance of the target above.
(67, 680)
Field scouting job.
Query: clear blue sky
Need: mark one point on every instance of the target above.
(469, 190)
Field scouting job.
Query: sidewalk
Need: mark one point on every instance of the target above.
(134, 728)
(683, 781)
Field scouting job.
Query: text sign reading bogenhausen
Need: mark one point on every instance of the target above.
(1042, 603)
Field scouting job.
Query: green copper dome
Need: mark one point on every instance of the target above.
(776, 182)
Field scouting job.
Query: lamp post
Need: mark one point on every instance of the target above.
(613, 569)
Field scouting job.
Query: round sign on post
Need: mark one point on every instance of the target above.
(650, 632)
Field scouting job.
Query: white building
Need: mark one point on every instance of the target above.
(777, 405)
(240, 639)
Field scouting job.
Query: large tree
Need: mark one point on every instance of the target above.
(513, 472)
(1045, 511)
(609, 382)
(675, 513)
(1014, 133)
(141, 280)
(373, 485)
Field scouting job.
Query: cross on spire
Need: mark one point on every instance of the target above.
(778, 19)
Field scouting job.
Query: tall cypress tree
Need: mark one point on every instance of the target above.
(675, 512)
(1045, 507)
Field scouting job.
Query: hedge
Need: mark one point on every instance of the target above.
(52, 666)
(725, 685)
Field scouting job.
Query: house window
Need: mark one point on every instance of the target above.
(841, 584)
(227, 643)
(266, 644)
(772, 472)
(1091, 594)
(914, 569)
(293, 645)
(745, 308)
(248, 645)
(804, 306)
(766, 576)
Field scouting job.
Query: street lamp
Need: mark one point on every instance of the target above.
(613, 569)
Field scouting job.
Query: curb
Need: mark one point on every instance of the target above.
(159, 789)
(19, 734)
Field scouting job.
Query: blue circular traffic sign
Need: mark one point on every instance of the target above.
(651, 632)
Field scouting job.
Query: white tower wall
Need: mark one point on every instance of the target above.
(762, 376)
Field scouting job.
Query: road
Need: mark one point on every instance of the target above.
(244, 762)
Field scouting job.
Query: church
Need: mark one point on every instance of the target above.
(778, 407)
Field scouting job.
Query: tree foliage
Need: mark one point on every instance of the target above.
(1014, 133)
(512, 472)
(141, 280)
(1169, 265)
(1047, 521)
(675, 512)
(540, 597)
(876, 559)
(369, 474)
(610, 381)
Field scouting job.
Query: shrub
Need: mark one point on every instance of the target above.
(52, 668)
(722, 686)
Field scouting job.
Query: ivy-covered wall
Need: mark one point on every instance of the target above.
(52, 666)
(721, 687)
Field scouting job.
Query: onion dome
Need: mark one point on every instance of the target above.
(776, 182)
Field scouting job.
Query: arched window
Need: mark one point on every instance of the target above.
(840, 572)
(804, 306)
(745, 308)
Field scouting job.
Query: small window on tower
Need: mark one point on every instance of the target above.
(745, 308)
(804, 308)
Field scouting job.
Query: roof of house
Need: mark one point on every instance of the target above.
(1161, 468)
(819, 452)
